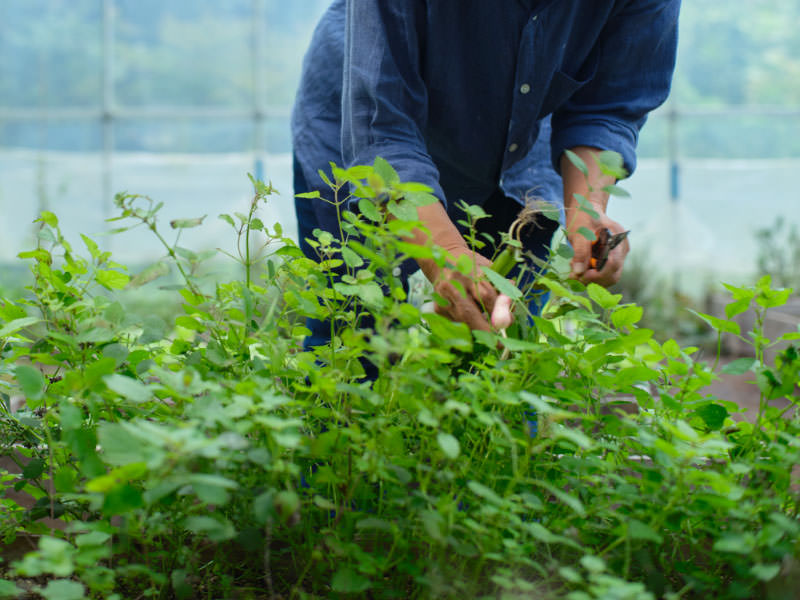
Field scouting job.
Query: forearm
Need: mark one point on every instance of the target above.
(441, 231)
(576, 182)
(581, 225)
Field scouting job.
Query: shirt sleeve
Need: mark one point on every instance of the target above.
(384, 97)
(637, 50)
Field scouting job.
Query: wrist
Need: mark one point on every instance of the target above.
(439, 231)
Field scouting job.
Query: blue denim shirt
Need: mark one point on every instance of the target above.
(469, 95)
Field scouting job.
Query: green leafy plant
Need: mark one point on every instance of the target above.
(779, 253)
(214, 456)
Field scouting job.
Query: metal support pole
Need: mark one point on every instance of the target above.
(674, 195)
(259, 91)
(107, 113)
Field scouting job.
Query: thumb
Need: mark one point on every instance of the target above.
(578, 269)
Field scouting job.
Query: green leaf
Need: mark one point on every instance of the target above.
(180, 585)
(217, 530)
(34, 469)
(739, 366)
(615, 190)
(737, 307)
(63, 589)
(602, 296)
(262, 507)
(190, 323)
(587, 233)
(720, 325)
(187, 223)
(132, 389)
(627, 316)
(324, 503)
(309, 195)
(228, 219)
(572, 501)
(414, 250)
(612, 164)
(503, 285)
(513, 344)
(8, 589)
(671, 348)
(586, 206)
(575, 436)
(449, 445)
(735, 543)
(453, 335)
(112, 280)
(153, 330)
(126, 473)
(465, 265)
(403, 211)
(631, 375)
(48, 218)
(713, 415)
(286, 503)
(149, 274)
(351, 259)
(31, 381)
(765, 572)
(484, 492)
(386, 171)
(369, 210)
(122, 499)
(212, 489)
(562, 291)
(371, 294)
(593, 564)
(17, 324)
(347, 581)
(642, 531)
(39, 255)
(418, 199)
(577, 161)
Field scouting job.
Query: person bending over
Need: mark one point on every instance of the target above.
(480, 101)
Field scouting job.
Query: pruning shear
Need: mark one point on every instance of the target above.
(603, 245)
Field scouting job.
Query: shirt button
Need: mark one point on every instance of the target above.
(524, 88)
(513, 148)
(396, 271)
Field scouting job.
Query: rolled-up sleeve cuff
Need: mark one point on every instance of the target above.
(604, 134)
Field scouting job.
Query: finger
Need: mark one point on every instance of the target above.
(608, 276)
(474, 317)
(612, 271)
(482, 292)
(462, 309)
(486, 295)
(582, 251)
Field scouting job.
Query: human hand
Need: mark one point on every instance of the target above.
(468, 297)
(581, 264)
(585, 201)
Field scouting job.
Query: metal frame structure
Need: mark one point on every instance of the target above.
(109, 111)
(258, 112)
